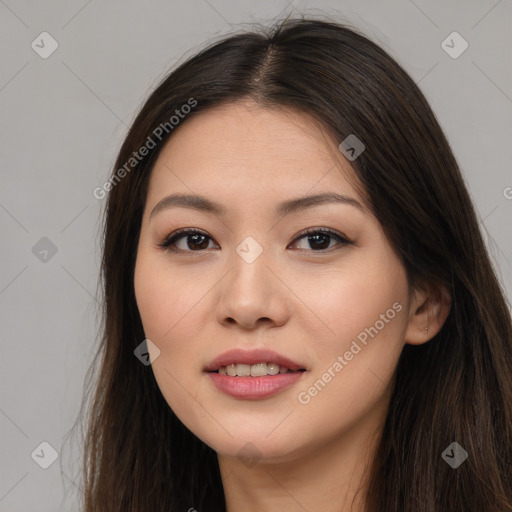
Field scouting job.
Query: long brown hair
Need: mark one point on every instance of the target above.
(456, 387)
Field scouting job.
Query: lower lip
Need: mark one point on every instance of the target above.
(254, 388)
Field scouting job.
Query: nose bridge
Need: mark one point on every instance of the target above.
(250, 250)
(250, 273)
(248, 293)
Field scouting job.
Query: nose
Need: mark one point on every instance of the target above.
(251, 296)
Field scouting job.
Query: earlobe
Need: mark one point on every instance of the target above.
(428, 313)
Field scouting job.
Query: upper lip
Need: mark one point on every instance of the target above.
(239, 356)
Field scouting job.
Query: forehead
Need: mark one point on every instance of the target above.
(249, 149)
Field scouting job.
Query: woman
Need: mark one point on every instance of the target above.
(290, 244)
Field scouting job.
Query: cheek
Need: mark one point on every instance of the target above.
(151, 299)
(165, 298)
(356, 301)
(173, 306)
(166, 312)
(364, 308)
(352, 377)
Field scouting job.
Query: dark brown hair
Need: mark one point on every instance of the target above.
(456, 387)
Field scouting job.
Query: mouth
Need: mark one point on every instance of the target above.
(252, 363)
(253, 375)
(254, 370)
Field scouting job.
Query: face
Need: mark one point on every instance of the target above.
(305, 294)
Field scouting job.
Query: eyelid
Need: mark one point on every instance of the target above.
(328, 231)
(183, 232)
(342, 239)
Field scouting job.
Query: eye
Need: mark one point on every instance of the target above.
(193, 241)
(319, 239)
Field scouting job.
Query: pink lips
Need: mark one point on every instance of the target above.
(253, 388)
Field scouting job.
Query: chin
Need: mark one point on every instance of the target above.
(254, 444)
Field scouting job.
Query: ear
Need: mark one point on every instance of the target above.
(428, 310)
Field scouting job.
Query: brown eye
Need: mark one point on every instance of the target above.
(191, 240)
(321, 240)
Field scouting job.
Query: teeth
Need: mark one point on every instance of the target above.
(258, 370)
(243, 370)
(252, 370)
(272, 368)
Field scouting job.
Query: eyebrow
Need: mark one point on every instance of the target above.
(202, 204)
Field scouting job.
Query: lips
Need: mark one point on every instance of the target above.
(253, 357)
(239, 373)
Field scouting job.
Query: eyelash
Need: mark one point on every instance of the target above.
(171, 239)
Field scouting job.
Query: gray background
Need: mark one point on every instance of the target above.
(63, 119)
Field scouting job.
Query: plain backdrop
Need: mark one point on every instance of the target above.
(64, 118)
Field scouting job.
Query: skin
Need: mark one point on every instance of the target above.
(303, 302)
